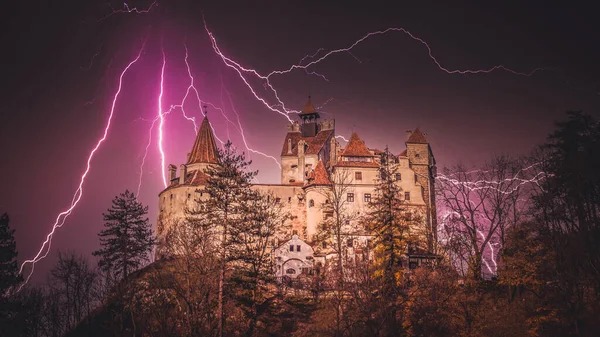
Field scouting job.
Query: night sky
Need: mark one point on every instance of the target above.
(61, 62)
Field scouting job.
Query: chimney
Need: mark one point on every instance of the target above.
(408, 134)
(172, 173)
(289, 146)
(182, 174)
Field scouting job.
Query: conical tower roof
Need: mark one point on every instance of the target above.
(356, 147)
(205, 148)
(319, 175)
(417, 137)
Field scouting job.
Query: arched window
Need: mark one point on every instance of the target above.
(311, 203)
(291, 271)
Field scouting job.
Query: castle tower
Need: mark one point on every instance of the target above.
(204, 152)
(310, 120)
(422, 162)
(305, 145)
(317, 183)
(183, 190)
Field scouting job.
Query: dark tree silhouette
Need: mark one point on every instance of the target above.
(127, 239)
(9, 270)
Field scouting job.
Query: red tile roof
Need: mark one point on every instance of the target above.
(315, 144)
(308, 108)
(319, 175)
(402, 154)
(417, 137)
(356, 147)
(205, 148)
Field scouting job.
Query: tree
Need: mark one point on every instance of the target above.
(251, 240)
(127, 239)
(388, 222)
(228, 189)
(567, 214)
(73, 281)
(9, 270)
(478, 206)
(335, 230)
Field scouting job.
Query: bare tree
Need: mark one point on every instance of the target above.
(477, 207)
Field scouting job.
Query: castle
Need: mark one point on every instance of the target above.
(310, 152)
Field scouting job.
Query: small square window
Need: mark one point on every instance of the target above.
(406, 195)
(291, 248)
(398, 176)
(311, 203)
(367, 197)
(357, 175)
(277, 200)
(350, 242)
(297, 248)
(417, 155)
(350, 197)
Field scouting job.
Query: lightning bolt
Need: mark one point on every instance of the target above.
(62, 217)
(161, 117)
(229, 62)
(342, 138)
(126, 9)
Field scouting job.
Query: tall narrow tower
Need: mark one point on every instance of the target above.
(310, 120)
(422, 162)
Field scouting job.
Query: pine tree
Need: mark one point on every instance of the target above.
(228, 189)
(9, 270)
(387, 221)
(127, 239)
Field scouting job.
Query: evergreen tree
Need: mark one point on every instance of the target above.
(9, 270)
(228, 189)
(127, 239)
(387, 221)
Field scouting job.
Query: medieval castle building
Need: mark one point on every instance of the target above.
(309, 154)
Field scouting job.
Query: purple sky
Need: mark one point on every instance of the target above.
(61, 67)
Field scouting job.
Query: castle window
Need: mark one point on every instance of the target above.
(367, 197)
(189, 195)
(289, 199)
(311, 203)
(396, 160)
(406, 195)
(294, 166)
(291, 248)
(350, 242)
(297, 248)
(398, 176)
(417, 155)
(324, 244)
(347, 222)
(357, 175)
(350, 197)
(292, 181)
(291, 271)
(277, 200)
(171, 196)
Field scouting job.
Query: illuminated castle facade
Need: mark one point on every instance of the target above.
(309, 156)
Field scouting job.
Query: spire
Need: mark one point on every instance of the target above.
(205, 148)
(417, 137)
(319, 175)
(309, 108)
(356, 147)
